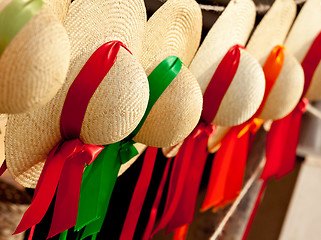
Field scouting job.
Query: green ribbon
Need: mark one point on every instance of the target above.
(14, 17)
(100, 177)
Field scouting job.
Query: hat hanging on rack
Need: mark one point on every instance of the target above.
(115, 108)
(34, 55)
(60, 7)
(284, 85)
(246, 91)
(272, 31)
(303, 32)
(173, 30)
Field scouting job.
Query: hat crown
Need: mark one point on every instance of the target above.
(246, 91)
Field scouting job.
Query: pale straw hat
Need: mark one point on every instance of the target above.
(305, 29)
(34, 64)
(246, 91)
(59, 7)
(116, 107)
(174, 29)
(272, 31)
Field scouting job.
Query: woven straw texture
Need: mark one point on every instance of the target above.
(286, 91)
(304, 30)
(34, 65)
(59, 7)
(246, 91)
(272, 31)
(115, 108)
(174, 29)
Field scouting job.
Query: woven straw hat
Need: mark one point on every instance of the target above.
(272, 31)
(34, 64)
(246, 91)
(59, 7)
(174, 29)
(116, 107)
(303, 32)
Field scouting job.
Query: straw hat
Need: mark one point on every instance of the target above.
(34, 64)
(303, 32)
(246, 91)
(174, 29)
(60, 7)
(272, 31)
(116, 107)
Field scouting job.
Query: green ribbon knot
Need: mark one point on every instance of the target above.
(127, 151)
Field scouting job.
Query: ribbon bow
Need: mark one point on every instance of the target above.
(65, 162)
(64, 165)
(97, 186)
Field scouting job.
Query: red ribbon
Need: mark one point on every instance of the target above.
(3, 167)
(153, 214)
(228, 167)
(140, 190)
(283, 137)
(190, 161)
(65, 162)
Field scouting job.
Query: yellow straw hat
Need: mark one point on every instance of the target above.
(60, 7)
(305, 29)
(116, 107)
(272, 31)
(174, 29)
(34, 64)
(246, 91)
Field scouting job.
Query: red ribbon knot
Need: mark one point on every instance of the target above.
(303, 104)
(203, 130)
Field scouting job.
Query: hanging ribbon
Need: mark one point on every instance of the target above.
(14, 17)
(153, 214)
(283, 137)
(3, 167)
(190, 161)
(64, 166)
(100, 177)
(226, 178)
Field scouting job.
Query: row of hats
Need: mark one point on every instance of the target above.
(99, 93)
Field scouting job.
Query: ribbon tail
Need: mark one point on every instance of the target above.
(139, 194)
(289, 151)
(181, 232)
(63, 235)
(184, 212)
(176, 183)
(67, 199)
(3, 167)
(97, 188)
(234, 180)
(219, 171)
(45, 191)
(281, 144)
(153, 214)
